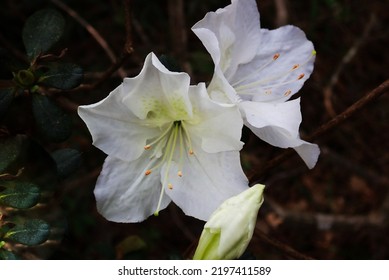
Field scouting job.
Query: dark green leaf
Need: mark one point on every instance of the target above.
(10, 149)
(68, 160)
(62, 76)
(32, 232)
(51, 121)
(7, 255)
(6, 97)
(19, 195)
(41, 31)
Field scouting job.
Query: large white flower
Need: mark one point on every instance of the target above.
(259, 69)
(165, 140)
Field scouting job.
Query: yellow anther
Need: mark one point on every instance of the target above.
(147, 172)
(147, 147)
(179, 173)
(287, 92)
(295, 66)
(191, 152)
(300, 76)
(277, 55)
(313, 52)
(170, 186)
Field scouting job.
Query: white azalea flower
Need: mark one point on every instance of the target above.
(259, 70)
(165, 140)
(229, 230)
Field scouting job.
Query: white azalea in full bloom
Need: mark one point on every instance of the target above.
(166, 141)
(259, 69)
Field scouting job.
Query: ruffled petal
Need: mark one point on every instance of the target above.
(158, 94)
(286, 115)
(228, 31)
(125, 194)
(114, 128)
(279, 137)
(284, 61)
(207, 180)
(218, 127)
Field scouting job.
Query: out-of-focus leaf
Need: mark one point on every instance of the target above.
(10, 149)
(32, 232)
(67, 160)
(7, 255)
(19, 195)
(6, 97)
(41, 31)
(62, 76)
(51, 121)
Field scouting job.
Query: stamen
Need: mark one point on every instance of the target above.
(287, 92)
(191, 152)
(276, 56)
(179, 173)
(147, 172)
(300, 76)
(147, 147)
(296, 66)
(170, 186)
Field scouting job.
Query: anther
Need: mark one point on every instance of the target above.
(191, 152)
(295, 66)
(147, 172)
(147, 147)
(287, 92)
(300, 76)
(170, 186)
(277, 55)
(268, 91)
(179, 173)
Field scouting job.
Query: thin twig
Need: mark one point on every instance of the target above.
(336, 121)
(286, 249)
(282, 12)
(92, 31)
(350, 54)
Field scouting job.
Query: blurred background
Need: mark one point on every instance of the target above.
(338, 210)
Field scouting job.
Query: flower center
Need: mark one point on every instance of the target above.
(175, 139)
(270, 82)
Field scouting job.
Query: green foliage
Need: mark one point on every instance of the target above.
(67, 160)
(19, 195)
(41, 31)
(7, 255)
(6, 97)
(32, 232)
(63, 76)
(51, 121)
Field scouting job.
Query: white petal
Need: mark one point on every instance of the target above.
(124, 194)
(265, 78)
(286, 115)
(157, 93)
(228, 31)
(114, 129)
(208, 180)
(280, 138)
(218, 127)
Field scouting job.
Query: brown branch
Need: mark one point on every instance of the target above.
(286, 249)
(282, 12)
(128, 46)
(91, 30)
(334, 122)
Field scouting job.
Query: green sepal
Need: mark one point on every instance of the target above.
(41, 31)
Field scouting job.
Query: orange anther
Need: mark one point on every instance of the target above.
(296, 66)
(179, 173)
(277, 55)
(147, 147)
(148, 172)
(287, 92)
(300, 76)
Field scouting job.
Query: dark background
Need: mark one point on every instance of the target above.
(338, 210)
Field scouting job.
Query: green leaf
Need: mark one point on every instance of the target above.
(10, 149)
(62, 76)
(41, 31)
(7, 255)
(19, 195)
(68, 161)
(6, 97)
(51, 121)
(32, 232)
